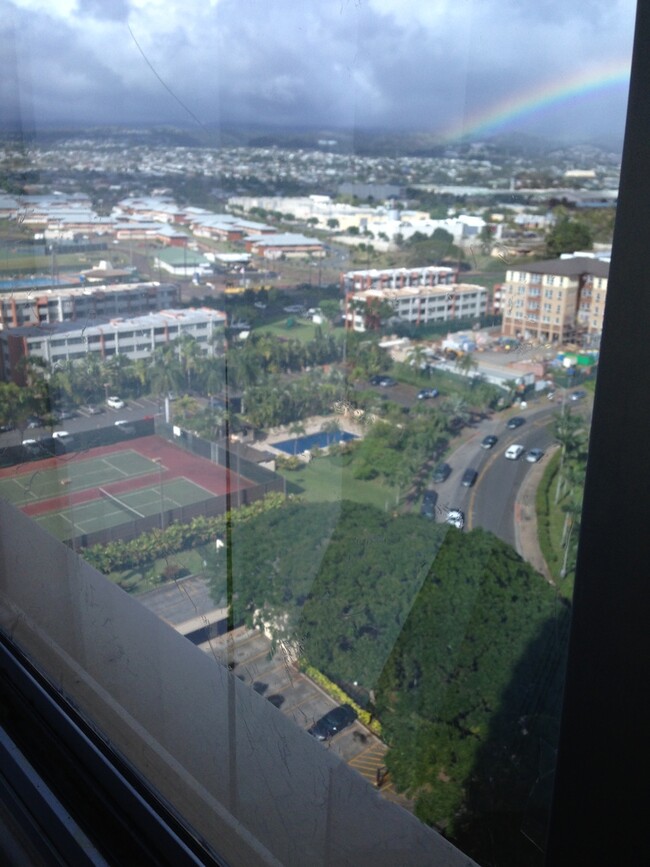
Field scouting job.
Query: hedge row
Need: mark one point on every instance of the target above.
(119, 556)
(339, 695)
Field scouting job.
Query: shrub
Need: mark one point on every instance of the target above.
(339, 695)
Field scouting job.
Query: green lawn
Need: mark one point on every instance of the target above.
(301, 330)
(326, 480)
(550, 524)
(42, 264)
(152, 575)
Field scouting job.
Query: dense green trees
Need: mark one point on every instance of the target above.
(567, 236)
(460, 641)
(421, 249)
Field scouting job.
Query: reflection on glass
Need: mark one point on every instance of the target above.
(299, 350)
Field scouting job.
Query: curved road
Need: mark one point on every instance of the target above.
(490, 502)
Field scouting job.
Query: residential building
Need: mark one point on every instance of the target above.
(46, 306)
(181, 262)
(397, 278)
(292, 246)
(555, 300)
(136, 337)
(417, 304)
(227, 227)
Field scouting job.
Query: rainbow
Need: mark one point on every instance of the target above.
(549, 94)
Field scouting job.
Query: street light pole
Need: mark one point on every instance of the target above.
(162, 495)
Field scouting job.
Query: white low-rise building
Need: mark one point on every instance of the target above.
(135, 337)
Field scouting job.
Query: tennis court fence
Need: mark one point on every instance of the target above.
(134, 526)
(224, 454)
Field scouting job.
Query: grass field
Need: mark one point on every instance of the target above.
(43, 264)
(326, 479)
(152, 575)
(74, 475)
(550, 525)
(302, 330)
(95, 515)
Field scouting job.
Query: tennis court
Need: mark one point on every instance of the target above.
(74, 474)
(111, 511)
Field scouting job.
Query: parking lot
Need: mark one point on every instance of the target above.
(273, 676)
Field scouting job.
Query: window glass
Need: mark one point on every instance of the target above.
(349, 486)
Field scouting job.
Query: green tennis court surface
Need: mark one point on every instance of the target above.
(74, 474)
(97, 514)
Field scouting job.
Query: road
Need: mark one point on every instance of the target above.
(134, 410)
(490, 502)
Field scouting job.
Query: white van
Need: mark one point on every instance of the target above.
(514, 452)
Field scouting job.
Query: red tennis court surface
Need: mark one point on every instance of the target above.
(175, 461)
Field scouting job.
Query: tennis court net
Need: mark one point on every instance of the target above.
(121, 505)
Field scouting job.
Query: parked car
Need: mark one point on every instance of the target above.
(65, 414)
(34, 421)
(387, 381)
(489, 441)
(115, 402)
(534, 455)
(428, 507)
(124, 426)
(61, 434)
(333, 722)
(469, 477)
(455, 518)
(515, 422)
(93, 410)
(514, 452)
(425, 393)
(577, 395)
(441, 473)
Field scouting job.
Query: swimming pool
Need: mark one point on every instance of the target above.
(29, 282)
(316, 440)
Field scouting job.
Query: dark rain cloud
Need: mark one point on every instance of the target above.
(426, 63)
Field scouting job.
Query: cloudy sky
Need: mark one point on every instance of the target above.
(436, 65)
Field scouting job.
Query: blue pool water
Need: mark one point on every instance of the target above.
(26, 283)
(320, 440)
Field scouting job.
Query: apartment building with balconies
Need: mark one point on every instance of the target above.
(417, 305)
(556, 300)
(39, 306)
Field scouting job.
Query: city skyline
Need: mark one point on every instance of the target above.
(466, 69)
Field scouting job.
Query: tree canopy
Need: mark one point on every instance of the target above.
(567, 236)
(457, 639)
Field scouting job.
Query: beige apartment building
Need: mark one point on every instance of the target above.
(417, 305)
(555, 301)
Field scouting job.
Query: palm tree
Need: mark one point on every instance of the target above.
(569, 436)
(165, 373)
(189, 354)
(331, 428)
(465, 364)
(141, 370)
(457, 409)
(297, 429)
(117, 372)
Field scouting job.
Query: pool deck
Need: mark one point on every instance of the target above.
(312, 425)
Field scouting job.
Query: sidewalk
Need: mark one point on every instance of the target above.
(526, 518)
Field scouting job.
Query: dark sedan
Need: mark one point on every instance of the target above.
(441, 473)
(515, 422)
(428, 507)
(333, 722)
(469, 477)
